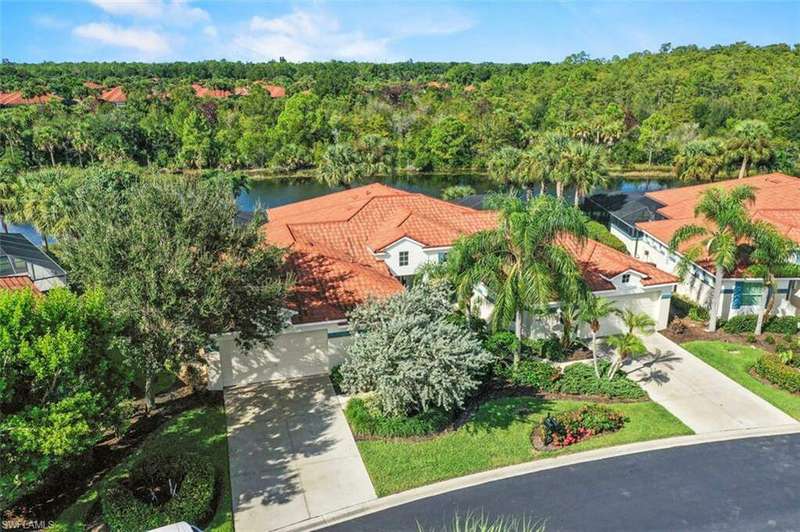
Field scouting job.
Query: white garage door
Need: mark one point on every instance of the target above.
(291, 355)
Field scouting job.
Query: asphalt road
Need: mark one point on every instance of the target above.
(748, 485)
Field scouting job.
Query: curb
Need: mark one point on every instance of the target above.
(445, 486)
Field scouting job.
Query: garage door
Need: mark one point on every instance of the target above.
(291, 355)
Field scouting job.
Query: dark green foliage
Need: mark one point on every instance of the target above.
(502, 344)
(336, 378)
(549, 348)
(599, 232)
(570, 427)
(770, 367)
(124, 503)
(366, 419)
(747, 324)
(579, 379)
(686, 308)
(532, 373)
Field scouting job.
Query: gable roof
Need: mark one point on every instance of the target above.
(18, 282)
(114, 95)
(16, 98)
(777, 202)
(332, 242)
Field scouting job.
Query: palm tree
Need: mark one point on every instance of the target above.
(43, 202)
(593, 310)
(520, 264)
(553, 146)
(340, 166)
(625, 345)
(531, 170)
(699, 160)
(637, 322)
(750, 143)
(727, 222)
(584, 167)
(8, 196)
(503, 165)
(773, 255)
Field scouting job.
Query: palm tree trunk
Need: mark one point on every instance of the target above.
(149, 400)
(577, 198)
(541, 188)
(46, 245)
(3, 222)
(715, 297)
(743, 168)
(52, 157)
(559, 189)
(766, 310)
(594, 353)
(650, 157)
(518, 331)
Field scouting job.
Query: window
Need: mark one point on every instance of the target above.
(626, 278)
(747, 294)
(404, 258)
(442, 257)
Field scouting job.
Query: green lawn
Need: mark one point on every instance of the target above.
(498, 435)
(735, 361)
(201, 430)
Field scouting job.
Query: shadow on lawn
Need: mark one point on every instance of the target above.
(502, 412)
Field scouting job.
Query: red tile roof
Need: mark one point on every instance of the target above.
(16, 98)
(114, 95)
(274, 91)
(331, 241)
(17, 282)
(777, 202)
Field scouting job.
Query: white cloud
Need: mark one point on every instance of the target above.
(49, 22)
(210, 31)
(146, 41)
(172, 12)
(305, 35)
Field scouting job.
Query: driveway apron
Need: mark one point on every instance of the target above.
(292, 455)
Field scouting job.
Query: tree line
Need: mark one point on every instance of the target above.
(706, 112)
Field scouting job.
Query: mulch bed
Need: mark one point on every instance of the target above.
(65, 486)
(695, 331)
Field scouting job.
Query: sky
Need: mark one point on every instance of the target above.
(371, 30)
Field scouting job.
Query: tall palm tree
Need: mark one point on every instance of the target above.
(700, 160)
(553, 146)
(749, 143)
(531, 171)
(341, 164)
(726, 224)
(9, 190)
(772, 256)
(44, 202)
(637, 322)
(520, 263)
(583, 166)
(503, 165)
(593, 310)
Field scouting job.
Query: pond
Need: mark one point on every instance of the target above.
(265, 193)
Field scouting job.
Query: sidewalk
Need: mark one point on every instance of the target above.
(697, 394)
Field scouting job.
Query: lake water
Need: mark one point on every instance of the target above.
(267, 193)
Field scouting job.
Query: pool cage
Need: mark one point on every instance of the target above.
(19, 256)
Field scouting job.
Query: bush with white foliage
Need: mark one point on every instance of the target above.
(412, 354)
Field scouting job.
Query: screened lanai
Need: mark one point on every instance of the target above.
(19, 256)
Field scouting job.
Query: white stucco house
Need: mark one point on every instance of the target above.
(348, 246)
(777, 202)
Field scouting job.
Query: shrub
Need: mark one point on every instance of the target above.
(568, 428)
(502, 344)
(698, 314)
(745, 323)
(336, 378)
(534, 373)
(457, 192)
(599, 232)
(192, 477)
(366, 419)
(769, 339)
(686, 308)
(549, 348)
(782, 325)
(579, 379)
(770, 367)
(751, 338)
(410, 353)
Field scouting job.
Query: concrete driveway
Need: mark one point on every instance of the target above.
(292, 455)
(697, 394)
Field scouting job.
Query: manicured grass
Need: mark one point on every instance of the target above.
(498, 435)
(201, 430)
(735, 361)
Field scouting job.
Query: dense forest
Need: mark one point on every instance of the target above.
(705, 112)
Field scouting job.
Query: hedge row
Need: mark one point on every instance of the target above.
(193, 502)
(747, 324)
(366, 419)
(576, 379)
(770, 367)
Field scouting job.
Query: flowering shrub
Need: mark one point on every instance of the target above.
(573, 426)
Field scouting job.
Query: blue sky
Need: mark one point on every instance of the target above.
(166, 30)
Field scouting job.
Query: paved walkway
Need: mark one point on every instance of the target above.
(697, 394)
(292, 455)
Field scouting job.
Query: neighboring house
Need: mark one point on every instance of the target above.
(368, 242)
(777, 202)
(18, 282)
(12, 99)
(20, 258)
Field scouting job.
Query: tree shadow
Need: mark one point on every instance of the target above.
(273, 429)
(651, 368)
(502, 412)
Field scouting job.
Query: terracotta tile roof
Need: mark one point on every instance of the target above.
(777, 202)
(114, 95)
(17, 282)
(202, 92)
(16, 98)
(332, 241)
(92, 85)
(275, 91)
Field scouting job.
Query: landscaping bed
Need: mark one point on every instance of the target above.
(694, 331)
(199, 431)
(739, 362)
(574, 426)
(499, 434)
